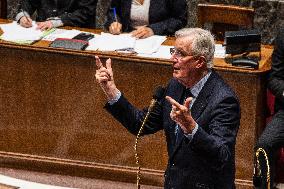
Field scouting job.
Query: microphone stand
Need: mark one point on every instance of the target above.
(159, 93)
(138, 174)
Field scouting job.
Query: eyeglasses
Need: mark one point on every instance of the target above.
(178, 53)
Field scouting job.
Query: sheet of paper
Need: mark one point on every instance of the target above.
(14, 32)
(149, 45)
(109, 42)
(62, 33)
(93, 45)
(124, 42)
(162, 52)
(23, 184)
(219, 51)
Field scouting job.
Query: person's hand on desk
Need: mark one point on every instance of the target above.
(142, 32)
(44, 25)
(26, 22)
(115, 28)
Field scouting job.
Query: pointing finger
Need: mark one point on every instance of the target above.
(108, 64)
(187, 102)
(98, 62)
(173, 102)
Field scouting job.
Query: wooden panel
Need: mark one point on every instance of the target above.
(53, 107)
(224, 18)
(229, 14)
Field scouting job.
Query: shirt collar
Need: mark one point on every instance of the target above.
(199, 85)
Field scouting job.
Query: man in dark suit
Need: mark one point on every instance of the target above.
(200, 129)
(55, 13)
(272, 137)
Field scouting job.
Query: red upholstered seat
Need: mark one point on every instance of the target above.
(279, 176)
(280, 166)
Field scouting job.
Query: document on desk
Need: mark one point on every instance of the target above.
(23, 184)
(109, 42)
(220, 51)
(62, 33)
(14, 32)
(125, 42)
(163, 52)
(149, 45)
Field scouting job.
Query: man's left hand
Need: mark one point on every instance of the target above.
(181, 114)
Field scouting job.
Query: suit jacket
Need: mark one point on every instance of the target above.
(165, 16)
(81, 13)
(276, 79)
(206, 161)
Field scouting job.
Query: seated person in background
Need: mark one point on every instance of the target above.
(146, 17)
(199, 113)
(51, 14)
(272, 138)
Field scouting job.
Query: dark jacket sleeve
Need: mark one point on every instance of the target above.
(276, 79)
(29, 6)
(131, 118)
(218, 140)
(83, 13)
(176, 12)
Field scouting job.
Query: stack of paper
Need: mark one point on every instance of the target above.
(15, 33)
(149, 45)
(109, 42)
(162, 52)
(125, 42)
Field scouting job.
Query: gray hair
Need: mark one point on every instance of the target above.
(202, 43)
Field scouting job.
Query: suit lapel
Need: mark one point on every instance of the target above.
(128, 5)
(153, 8)
(199, 104)
(202, 98)
(126, 9)
(176, 93)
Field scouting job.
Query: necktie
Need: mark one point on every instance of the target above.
(187, 94)
(179, 132)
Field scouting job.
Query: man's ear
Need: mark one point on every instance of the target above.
(201, 61)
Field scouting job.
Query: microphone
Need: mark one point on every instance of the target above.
(158, 95)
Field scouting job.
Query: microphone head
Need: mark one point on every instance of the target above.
(159, 93)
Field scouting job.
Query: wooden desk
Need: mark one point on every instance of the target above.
(52, 117)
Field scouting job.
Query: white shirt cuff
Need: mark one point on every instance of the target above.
(56, 23)
(190, 136)
(20, 15)
(116, 98)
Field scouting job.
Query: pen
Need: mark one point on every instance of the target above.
(114, 14)
(25, 15)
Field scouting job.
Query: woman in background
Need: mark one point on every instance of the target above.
(145, 18)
